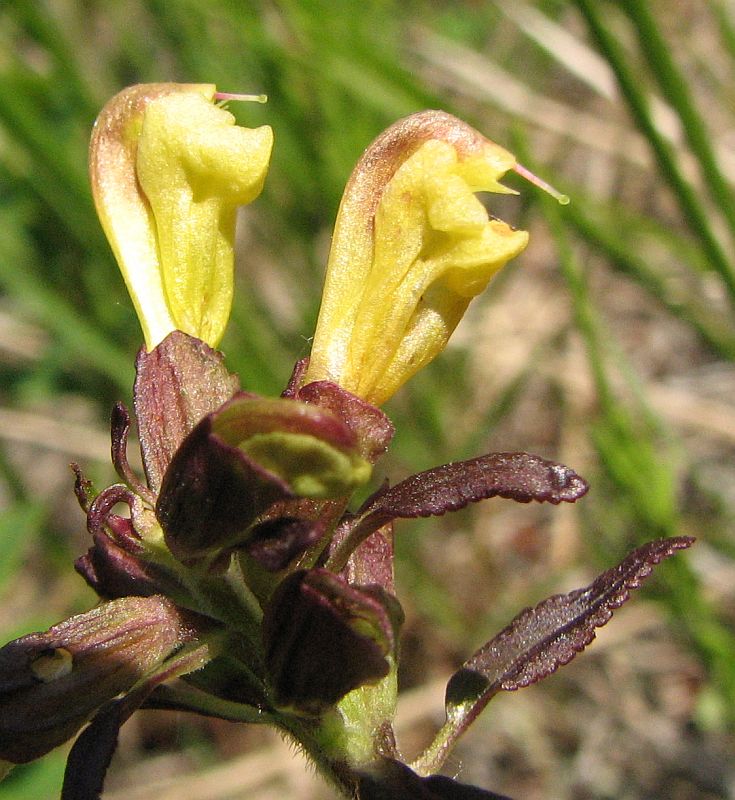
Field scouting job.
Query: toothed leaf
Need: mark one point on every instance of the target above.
(515, 476)
(541, 639)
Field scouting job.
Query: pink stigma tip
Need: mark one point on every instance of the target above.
(562, 199)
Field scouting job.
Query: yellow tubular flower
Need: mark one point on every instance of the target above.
(169, 169)
(412, 246)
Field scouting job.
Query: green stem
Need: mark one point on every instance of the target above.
(224, 598)
(200, 702)
(351, 737)
(623, 256)
(338, 559)
(433, 758)
(330, 515)
(306, 735)
(235, 580)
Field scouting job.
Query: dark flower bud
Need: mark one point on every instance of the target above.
(211, 494)
(309, 447)
(51, 683)
(324, 638)
(249, 454)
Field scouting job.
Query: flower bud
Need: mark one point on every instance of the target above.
(250, 453)
(51, 683)
(324, 638)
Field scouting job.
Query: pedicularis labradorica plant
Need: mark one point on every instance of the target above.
(242, 584)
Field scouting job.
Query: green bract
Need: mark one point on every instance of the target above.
(309, 465)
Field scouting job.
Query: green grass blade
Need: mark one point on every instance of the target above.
(622, 253)
(629, 83)
(674, 85)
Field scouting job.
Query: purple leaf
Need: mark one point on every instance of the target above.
(116, 564)
(177, 384)
(89, 758)
(541, 639)
(515, 476)
(92, 752)
(297, 378)
(115, 571)
(120, 428)
(84, 490)
(100, 517)
(372, 560)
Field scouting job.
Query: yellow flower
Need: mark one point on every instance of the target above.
(169, 169)
(412, 246)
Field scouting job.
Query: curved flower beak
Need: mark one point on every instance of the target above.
(412, 246)
(169, 169)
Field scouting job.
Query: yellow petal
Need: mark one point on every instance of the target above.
(196, 167)
(412, 246)
(122, 208)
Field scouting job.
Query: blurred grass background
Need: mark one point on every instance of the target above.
(609, 345)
